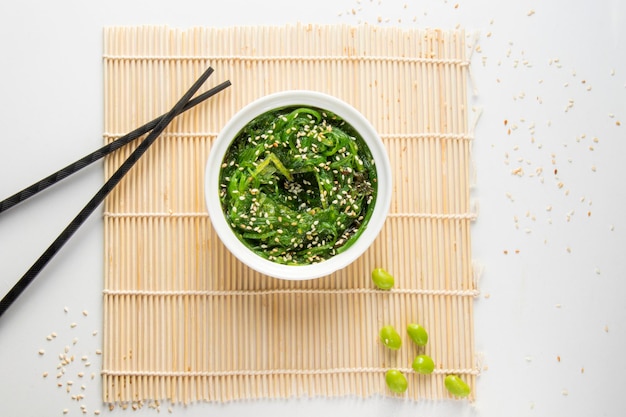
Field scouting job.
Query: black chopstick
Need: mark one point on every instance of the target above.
(97, 199)
(100, 153)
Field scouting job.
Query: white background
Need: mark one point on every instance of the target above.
(551, 318)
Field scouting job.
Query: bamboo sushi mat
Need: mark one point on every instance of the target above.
(184, 320)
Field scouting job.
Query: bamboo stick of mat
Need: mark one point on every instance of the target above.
(186, 321)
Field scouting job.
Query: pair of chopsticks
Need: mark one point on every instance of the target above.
(155, 127)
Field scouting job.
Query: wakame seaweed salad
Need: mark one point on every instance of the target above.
(298, 185)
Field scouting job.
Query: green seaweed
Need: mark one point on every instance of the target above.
(298, 185)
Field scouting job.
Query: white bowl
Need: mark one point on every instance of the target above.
(223, 142)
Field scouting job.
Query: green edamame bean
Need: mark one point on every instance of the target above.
(390, 337)
(423, 364)
(382, 279)
(456, 386)
(417, 334)
(396, 381)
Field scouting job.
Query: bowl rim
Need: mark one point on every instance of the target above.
(223, 142)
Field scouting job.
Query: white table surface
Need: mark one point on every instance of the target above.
(550, 322)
